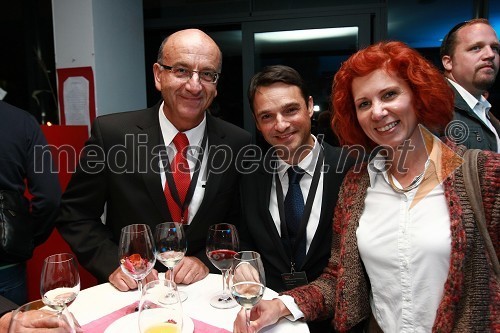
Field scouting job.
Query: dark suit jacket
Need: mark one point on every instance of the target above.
(119, 168)
(479, 135)
(259, 232)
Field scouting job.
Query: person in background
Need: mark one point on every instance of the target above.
(129, 176)
(470, 57)
(406, 253)
(291, 254)
(25, 164)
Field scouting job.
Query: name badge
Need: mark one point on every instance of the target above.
(294, 279)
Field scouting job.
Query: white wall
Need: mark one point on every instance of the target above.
(107, 35)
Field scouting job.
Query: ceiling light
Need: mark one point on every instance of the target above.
(308, 34)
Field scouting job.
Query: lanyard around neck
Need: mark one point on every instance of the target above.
(192, 184)
(292, 248)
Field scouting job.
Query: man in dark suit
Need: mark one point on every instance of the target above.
(470, 57)
(282, 109)
(123, 172)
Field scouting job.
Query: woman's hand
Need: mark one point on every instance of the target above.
(263, 314)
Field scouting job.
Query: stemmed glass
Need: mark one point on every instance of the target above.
(33, 315)
(222, 245)
(59, 281)
(160, 308)
(247, 280)
(171, 246)
(136, 252)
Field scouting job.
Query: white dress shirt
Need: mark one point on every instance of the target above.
(195, 137)
(308, 164)
(406, 250)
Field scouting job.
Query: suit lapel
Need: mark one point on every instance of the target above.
(265, 184)
(330, 191)
(149, 129)
(215, 141)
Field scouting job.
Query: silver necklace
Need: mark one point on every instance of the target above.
(408, 188)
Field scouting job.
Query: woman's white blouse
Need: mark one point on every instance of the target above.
(406, 252)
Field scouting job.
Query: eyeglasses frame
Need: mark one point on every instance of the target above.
(170, 68)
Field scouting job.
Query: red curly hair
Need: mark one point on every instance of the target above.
(433, 98)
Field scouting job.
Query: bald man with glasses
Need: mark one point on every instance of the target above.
(129, 166)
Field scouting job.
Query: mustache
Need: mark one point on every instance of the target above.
(488, 64)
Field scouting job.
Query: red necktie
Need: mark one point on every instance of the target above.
(180, 171)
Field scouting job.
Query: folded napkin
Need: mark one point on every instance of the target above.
(201, 327)
(100, 325)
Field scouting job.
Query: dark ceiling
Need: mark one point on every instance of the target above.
(423, 23)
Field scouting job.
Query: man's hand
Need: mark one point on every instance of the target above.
(39, 321)
(189, 270)
(123, 282)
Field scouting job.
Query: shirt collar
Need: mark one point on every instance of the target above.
(484, 102)
(168, 130)
(308, 163)
(377, 164)
(467, 96)
(479, 106)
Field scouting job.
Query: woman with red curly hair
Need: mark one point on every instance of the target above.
(432, 101)
(406, 254)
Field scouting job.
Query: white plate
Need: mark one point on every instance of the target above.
(129, 324)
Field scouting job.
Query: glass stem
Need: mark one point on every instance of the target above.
(171, 274)
(247, 315)
(225, 287)
(139, 287)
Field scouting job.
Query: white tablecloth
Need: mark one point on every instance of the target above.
(100, 300)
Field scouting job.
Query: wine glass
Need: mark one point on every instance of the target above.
(160, 309)
(222, 245)
(171, 246)
(136, 252)
(34, 314)
(247, 280)
(60, 280)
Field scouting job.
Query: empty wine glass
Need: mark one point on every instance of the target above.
(171, 246)
(160, 309)
(136, 252)
(222, 245)
(60, 280)
(247, 280)
(33, 315)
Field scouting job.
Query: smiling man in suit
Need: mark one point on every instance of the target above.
(288, 202)
(123, 171)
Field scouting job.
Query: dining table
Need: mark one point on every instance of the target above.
(103, 308)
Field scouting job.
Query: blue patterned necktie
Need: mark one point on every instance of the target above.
(294, 209)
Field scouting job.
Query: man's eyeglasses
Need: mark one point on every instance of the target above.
(185, 74)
